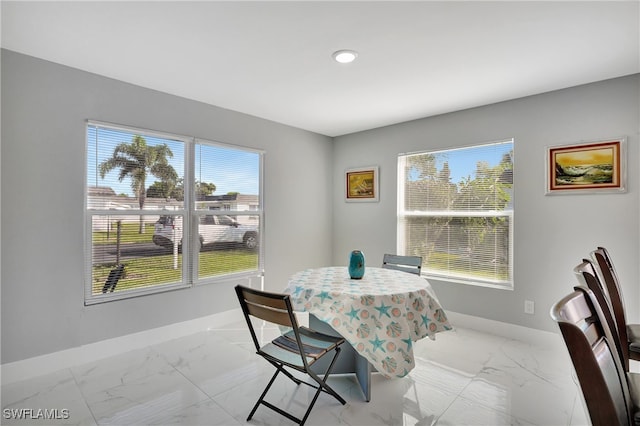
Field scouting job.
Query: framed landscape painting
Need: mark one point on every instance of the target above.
(361, 184)
(587, 167)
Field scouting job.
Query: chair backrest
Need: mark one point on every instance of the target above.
(588, 277)
(600, 373)
(271, 307)
(610, 278)
(411, 264)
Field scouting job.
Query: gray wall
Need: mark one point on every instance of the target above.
(552, 233)
(44, 108)
(307, 222)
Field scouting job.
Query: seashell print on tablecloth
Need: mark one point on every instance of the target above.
(405, 355)
(416, 327)
(390, 365)
(394, 329)
(397, 298)
(377, 323)
(367, 300)
(363, 331)
(335, 309)
(418, 304)
(440, 316)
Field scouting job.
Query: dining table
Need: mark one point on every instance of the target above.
(380, 315)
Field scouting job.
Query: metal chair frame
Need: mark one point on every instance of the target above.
(276, 308)
(411, 264)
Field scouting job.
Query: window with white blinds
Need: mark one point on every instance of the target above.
(455, 210)
(167, 211)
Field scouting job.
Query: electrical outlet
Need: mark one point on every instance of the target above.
(528, 307)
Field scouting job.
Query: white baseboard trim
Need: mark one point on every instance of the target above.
(503, 329)
(50, 363)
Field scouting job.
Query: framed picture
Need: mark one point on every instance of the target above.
(361, 184)
(594, 166)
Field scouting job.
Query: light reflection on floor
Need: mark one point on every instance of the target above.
(464, 377)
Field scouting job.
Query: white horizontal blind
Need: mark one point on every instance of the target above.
(150, 202)
(130, 174)
(227, 209)
(455, 209)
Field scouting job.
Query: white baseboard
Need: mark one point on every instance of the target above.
(50, 363)
(503, 329)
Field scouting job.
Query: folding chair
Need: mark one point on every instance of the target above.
(411, 264)
(285, 351)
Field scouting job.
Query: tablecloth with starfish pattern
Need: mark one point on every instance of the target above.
(380, 315)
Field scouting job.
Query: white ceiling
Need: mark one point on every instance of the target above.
(273, 59)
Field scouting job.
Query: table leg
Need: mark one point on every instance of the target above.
(363, 374)
(349, 361)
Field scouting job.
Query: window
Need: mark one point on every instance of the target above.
(155, 219)
(455, 209)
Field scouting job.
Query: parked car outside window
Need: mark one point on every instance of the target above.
(212, 229)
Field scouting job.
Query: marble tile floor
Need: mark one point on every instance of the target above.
(213, 377)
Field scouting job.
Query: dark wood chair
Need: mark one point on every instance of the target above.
(411, 264)
(297, 349)
(588, 277)
(609, 391)
(628, 332)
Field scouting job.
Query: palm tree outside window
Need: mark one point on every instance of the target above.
(153, 216)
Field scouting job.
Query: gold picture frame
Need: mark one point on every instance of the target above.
(361, 184)
(595, 166)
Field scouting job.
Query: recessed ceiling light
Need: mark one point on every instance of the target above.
(345, 56)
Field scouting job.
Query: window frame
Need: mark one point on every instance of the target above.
(190, 219)
(402, 215)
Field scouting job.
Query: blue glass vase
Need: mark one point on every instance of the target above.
(356, 265)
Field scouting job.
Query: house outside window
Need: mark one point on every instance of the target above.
(455, 210)
(153, 222)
